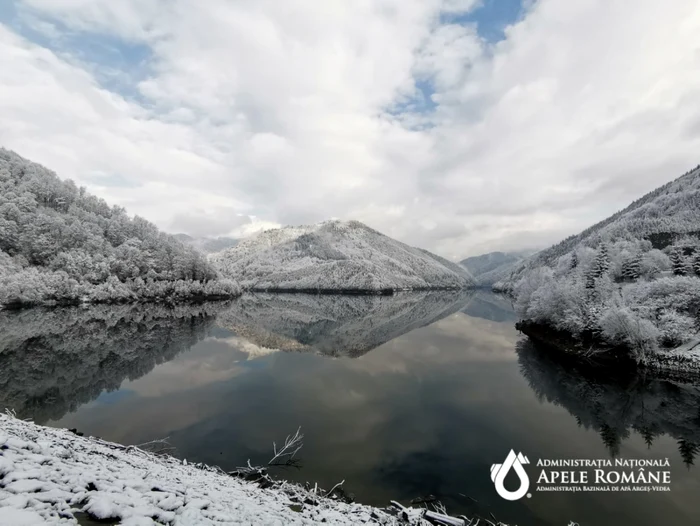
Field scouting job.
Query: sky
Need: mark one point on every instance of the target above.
(460, 126)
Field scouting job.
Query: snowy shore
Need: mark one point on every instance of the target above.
(683, 361)
(52, 476)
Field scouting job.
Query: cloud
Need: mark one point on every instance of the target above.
(395, 113)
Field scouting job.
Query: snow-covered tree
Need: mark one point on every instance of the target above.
(678, 262)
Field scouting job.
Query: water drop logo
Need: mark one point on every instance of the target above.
(499, 472)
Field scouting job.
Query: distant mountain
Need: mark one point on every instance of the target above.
(478, 265)
(336, 325)
(629, 283)
(208, 245)
(59, 244)
(492, 267)
(335, 256)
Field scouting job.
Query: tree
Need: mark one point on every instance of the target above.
(602, 261)
(611, 439)
(632, 267)
(648, 435)
(688, 451)
(574, 260)
(678, 262)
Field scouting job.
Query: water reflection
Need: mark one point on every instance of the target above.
(336, 325)
(54, 360)
(614, 403)
(400, 396)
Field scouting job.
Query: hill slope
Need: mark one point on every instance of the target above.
(478, 265)
(335, 256)
(58, 243)
(492, 267)
(629, 282)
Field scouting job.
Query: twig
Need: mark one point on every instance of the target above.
(330, 493)
(292, 445)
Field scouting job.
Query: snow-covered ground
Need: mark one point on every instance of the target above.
(52, 476)
(335, 256)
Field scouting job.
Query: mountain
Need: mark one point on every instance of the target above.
(492, 267)
(208, 245)
(336, 325)
(478, 265)
(59, 244)
(629, 284)
(335, 256)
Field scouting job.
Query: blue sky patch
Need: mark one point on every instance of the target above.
(491, 18)
(117, 65)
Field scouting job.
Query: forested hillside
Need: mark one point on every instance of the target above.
(335, 256)
(629, 282)
(60, 244)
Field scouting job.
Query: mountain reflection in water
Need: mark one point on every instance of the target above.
(401, 396)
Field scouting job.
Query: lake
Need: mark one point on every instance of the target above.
(401, 397)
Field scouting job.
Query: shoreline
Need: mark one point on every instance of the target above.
(53, 476)
(671, 363)
(203, 298)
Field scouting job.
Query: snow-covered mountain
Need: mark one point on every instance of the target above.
(335, 256)
(487, 262)
(333, 324)
(489, 268)
(629, 283)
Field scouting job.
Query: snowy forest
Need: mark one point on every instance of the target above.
(631, 282)
(59, 244)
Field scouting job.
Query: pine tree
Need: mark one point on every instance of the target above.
(574, 260)
(696, 265)
(678, 263)
(602, 262)
(648, 436)
(688, 451)
(632, 268)
(611, 439)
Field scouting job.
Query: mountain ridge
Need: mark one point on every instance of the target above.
(341, 256)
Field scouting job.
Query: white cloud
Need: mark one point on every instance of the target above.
(281, 111)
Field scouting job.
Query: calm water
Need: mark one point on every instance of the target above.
(400, 396)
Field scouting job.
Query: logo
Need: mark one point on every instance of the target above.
(499, 472)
